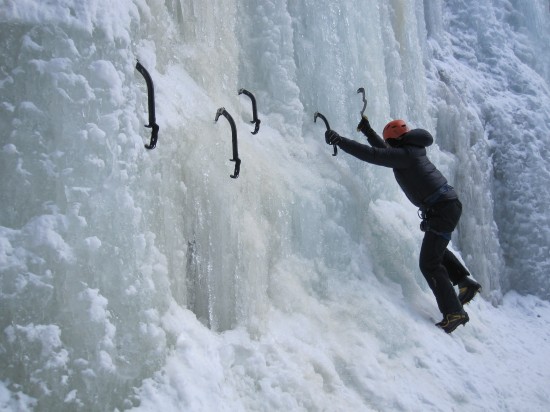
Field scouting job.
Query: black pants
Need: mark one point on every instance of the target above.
(438, 265)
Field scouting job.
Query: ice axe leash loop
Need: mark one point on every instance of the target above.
(255, 120)
(362, 91)
(324, 119)
(222, 112)
(151, 103)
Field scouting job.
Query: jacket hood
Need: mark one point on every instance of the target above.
(417, 137)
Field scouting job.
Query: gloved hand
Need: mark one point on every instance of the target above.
(333, 138)
(364, 124)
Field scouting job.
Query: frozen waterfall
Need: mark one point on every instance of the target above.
(149, 279)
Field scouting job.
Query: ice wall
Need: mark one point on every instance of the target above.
(492, 113)
(106, 247)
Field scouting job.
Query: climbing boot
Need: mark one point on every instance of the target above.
(452, 321)
(467, 289)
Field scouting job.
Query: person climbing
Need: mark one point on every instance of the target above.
(404, 151)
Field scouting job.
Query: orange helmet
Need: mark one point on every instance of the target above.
(395, 129)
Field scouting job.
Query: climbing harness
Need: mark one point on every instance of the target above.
(424, 214)
(255, 120)
(222, 112)
(151, 103)
(324, 119)
(427, 208)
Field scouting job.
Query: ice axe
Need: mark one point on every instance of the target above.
(324, 119)
(362, 91)
(222, 112)
(151, 106)
(255, 119)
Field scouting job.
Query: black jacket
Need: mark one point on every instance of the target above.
(415, 174)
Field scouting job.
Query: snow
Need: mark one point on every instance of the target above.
(324, 359)
(149, 280)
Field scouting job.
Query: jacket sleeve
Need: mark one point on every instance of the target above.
(374, 139)
(396, 158)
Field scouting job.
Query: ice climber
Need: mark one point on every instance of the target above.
(404, 150)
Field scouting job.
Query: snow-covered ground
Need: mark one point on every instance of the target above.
(362, 355)
(149, 279)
